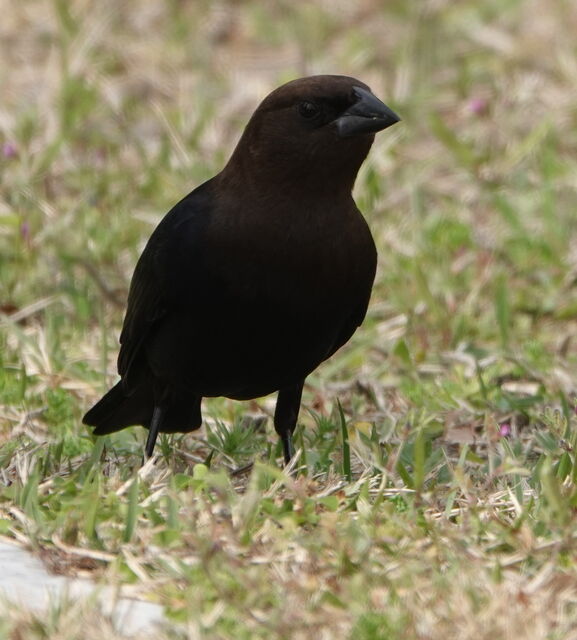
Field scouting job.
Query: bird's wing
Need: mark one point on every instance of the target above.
(169, 256)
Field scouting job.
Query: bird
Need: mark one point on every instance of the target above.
(259, 274)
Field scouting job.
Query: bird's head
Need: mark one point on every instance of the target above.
(314, 128)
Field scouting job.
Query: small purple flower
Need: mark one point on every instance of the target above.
(25, 231)
(505, 430)
(9, 150)
(477, 106)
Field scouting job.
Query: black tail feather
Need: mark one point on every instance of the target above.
(116, 410)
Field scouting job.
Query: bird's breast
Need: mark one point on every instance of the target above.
(297, 259)
(272, 300)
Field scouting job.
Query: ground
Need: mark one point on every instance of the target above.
(437, 492)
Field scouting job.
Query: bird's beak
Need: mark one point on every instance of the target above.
(367, 115)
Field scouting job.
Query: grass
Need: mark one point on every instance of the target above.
(438, 449)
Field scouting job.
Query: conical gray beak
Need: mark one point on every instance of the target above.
(367, 115)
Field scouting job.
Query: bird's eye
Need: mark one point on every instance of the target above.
(309, 110)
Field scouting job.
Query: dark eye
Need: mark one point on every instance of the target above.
(309, 110)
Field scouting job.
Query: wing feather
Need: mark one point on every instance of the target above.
(154, 290)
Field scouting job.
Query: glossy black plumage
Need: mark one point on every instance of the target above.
(259, 274)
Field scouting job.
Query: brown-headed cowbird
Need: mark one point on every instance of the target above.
(259, 274)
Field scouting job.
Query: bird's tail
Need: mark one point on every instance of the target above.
(116, 410)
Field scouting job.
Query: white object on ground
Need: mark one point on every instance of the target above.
(25, 582)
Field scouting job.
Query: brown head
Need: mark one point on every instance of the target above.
(317, 129)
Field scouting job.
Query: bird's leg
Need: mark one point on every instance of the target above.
(285, 416)
(287, 446)
(153, 432)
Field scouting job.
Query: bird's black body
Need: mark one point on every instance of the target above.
(254, 278)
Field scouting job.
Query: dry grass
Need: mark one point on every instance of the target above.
(458, 518)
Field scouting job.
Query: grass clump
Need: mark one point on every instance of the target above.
(437, 490)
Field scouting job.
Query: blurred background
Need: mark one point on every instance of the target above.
(441, 503)
(111, 111)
